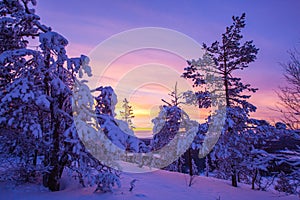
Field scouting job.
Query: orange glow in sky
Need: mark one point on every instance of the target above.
(270, 27)
(145, 77)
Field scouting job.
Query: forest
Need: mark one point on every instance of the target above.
(53, 124)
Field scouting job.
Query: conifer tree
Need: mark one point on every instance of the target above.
(127, 113)
(230, 55)
(35, 90)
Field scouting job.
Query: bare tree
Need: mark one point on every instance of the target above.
(289, 95)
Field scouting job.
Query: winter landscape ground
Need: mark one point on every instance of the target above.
(149, 186)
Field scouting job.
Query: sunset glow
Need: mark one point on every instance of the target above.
(269, 27)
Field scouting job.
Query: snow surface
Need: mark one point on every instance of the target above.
(149, 186)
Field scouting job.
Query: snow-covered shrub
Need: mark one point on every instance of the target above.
(284, 184)
(106, 181)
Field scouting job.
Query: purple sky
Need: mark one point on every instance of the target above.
(274, 26)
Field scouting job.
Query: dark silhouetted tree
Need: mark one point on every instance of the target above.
(230, 55)
(289, 95)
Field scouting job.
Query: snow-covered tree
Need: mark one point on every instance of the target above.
(256, 160)
(229, 55)
(286, 150)
(35, 89)
(167, 123)
(127, 113)
(272, 150)
(166, 126)
(116, 130)
(20, 86)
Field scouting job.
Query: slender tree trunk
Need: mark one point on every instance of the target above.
(226, 84)
(46, 162)
(34, 162)
(226, 81)
(52, 179)
(35, 157)
(206, 166)
(179, 165)
(234, 179)
(254, 179)
(191, 173)
(226, 91)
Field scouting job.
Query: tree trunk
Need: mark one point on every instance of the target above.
(34, 162)
(190, 167)
(254, 179)
(226, 84)
(227, 91)
(206, 166)
(234, 179)
(52, 179)
(179, 165)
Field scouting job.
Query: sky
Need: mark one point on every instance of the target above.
(273, 25)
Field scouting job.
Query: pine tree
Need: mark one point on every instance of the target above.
(20, 86)
(35, 89)
(170, 116)
(166, 126)
(229, 56)
(176, 97)
(127, 113)
(113, 128)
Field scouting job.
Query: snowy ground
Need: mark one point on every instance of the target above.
(152, 186)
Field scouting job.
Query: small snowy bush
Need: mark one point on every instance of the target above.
(284, 184)
(107, 181)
